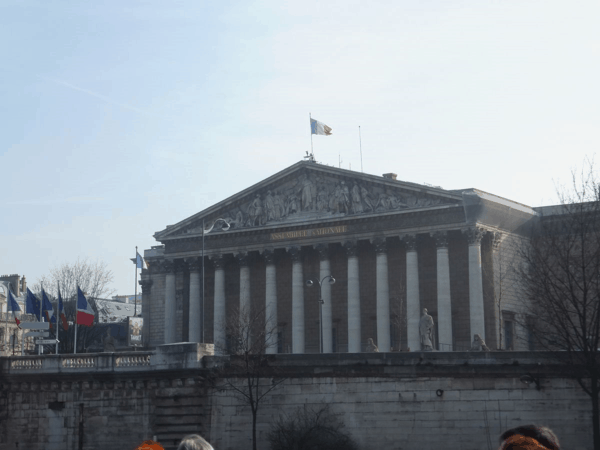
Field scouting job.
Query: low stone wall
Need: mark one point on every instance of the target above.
(387, 400)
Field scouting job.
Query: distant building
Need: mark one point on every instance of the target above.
(394, 248)
(117, 309)
(10, 334)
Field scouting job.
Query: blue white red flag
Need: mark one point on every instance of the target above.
(61, 312)
(48, 309)
(317, 127)
(32, 305)
(14, 307)
(140, 263)
(85, 313)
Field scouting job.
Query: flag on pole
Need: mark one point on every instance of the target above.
(32, 305)
(14, 307)
(48, 309)
(317, 127)
(85, 313)
(61, 312)
(140, 263)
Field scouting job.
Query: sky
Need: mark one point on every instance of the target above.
(121, 117)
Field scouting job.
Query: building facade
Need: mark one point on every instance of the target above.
(393, 247)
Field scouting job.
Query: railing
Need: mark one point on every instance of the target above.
(61, 363)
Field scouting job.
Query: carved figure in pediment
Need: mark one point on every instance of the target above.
(307, 193)
(278, 205)
(323, 199)
(239, 218)
(366, 196)
(292, 204)
(357, 207)
(269, 207)
(383, 202)
(341, 198)
(255, 212)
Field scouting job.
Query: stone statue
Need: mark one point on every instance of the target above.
(357, 207)
(255, 212)
(323, 199)
(292, 204)
(269, 207)
(366, 196)
(308, 192)
(478, 344)
(109, 342)
(278, 205)
(426, 331)
(371, 347)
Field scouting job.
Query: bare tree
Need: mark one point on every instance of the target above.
(310, 428)
(249, 374)
(561, 281)
(94, 279)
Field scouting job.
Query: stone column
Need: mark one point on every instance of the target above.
(444, 303)
(354, 331)
(327, 312)
(170, 306)
(412, 294)
(195, 314)
(499, 277)
(146, 284)
(476, 315)
(383, 296)
(270, 302)
(297, 301)
(244, 283)
(219, 337)
(245, 307)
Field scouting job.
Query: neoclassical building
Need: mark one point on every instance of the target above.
(393, 247)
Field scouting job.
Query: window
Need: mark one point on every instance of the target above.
(508, 334)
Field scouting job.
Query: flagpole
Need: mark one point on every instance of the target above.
(76, 300)
(311, 133)
(136, 268)
(56, 316)
(360, 145)
(6, 317)
(41, 316)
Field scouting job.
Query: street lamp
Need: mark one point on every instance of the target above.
(309, 283)
(225, 227)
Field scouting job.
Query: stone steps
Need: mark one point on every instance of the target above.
(178, 416)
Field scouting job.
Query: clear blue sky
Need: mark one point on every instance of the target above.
(119, 118)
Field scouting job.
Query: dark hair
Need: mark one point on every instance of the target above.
(543, 435)
(194, 442)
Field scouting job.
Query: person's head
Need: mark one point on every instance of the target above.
(520, 437)
(194, 442)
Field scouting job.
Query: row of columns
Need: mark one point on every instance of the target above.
(413, 310)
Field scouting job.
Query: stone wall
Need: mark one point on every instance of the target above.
(387, 400)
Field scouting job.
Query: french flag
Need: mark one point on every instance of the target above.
(85, 313)
(14, 307)
(61, 312)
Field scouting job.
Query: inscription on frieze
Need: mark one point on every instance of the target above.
(309, 233)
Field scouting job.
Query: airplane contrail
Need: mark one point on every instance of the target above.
(99, 96)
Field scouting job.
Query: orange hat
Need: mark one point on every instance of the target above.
(150, 445)
(519, 442)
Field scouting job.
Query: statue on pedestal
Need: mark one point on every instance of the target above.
(478, 344)
(109, 342)
(371, 347)
(426, 331)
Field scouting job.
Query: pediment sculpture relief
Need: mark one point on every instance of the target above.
(317, 197)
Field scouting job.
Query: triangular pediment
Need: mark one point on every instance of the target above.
(310, 192)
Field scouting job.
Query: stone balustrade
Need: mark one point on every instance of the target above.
(183, 355)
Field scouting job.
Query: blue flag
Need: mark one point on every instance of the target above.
(47, 309)
(32, 304)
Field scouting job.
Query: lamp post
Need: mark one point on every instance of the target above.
(225, 227)
(310, 283)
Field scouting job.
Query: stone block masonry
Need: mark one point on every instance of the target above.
(386, 400)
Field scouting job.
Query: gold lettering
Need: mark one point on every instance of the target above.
(308, 233)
